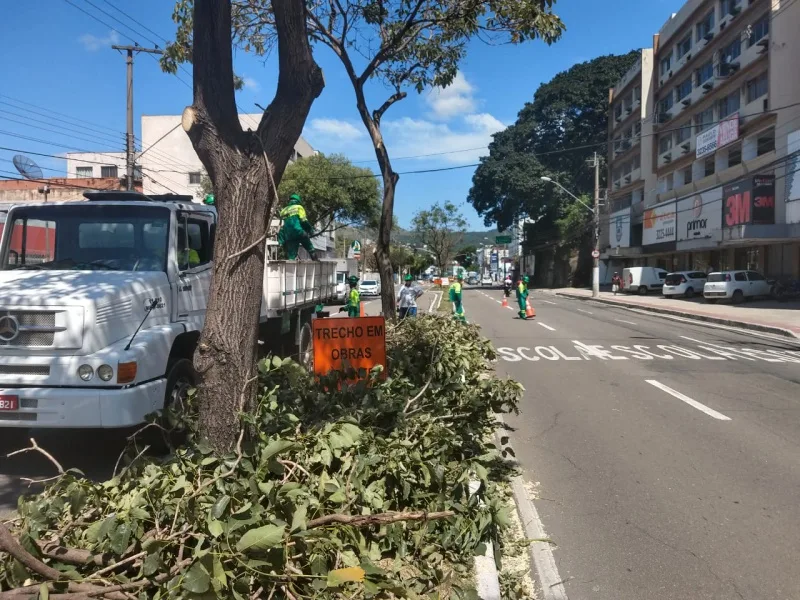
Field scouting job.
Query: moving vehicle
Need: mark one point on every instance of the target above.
(487, 280)
(735, 286)
(683, 283)
(102, 303)
(643, 279)
(473, 280)
(369, 287)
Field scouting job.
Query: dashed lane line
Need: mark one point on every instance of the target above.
(693, 403)
(584, 311)
(625, 321)
(547, 326)
(548, 302)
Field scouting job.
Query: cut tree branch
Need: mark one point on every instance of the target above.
(378, 519)
(377, 114)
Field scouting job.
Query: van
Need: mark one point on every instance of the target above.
(643, 279)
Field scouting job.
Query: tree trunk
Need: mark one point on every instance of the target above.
(245, 168)
(384, 240)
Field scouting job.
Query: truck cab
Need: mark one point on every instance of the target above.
(101, 305)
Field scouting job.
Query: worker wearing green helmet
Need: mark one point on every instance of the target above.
(407, 299)
(296, 230)
(353, 306)
(522, 296)
(455, 295)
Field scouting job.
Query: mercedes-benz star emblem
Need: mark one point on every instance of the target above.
(9, 328)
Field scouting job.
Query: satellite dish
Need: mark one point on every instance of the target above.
(27, 168)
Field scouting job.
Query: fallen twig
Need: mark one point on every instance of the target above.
(37, 448)
(419, 395)
(378, 519)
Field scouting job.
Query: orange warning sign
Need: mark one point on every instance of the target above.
(352, 343)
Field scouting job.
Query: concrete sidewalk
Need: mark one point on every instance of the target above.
(761, 315)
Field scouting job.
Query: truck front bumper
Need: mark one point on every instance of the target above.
(59, 408)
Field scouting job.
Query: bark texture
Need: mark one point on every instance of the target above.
(245, 168)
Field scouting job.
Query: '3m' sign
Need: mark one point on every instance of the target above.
(737, 209)
(749, 201)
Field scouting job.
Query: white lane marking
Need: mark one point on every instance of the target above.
(694, 403)
(624, 321)
(547, 327)
(541, 553)
(548, 302)
(509, 308)
(584, 311)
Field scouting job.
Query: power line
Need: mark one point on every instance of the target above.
(90, 3)
(145, 27)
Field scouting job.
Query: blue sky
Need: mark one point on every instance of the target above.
(56, 57)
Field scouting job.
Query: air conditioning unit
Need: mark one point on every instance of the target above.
(766, 104)
(627, 178)
(686, 146)
(726, 69)
(709, 36)
(686, 101)
(685, 149)
(667, 158)
(734, 12)
(763, 45)
(708, 86)
(629, 110)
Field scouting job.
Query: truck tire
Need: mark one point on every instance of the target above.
(181, 378)
(642, 290)
(305, 348)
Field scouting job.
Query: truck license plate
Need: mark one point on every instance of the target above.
(9, 402)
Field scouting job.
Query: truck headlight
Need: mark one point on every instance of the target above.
(85, 372)
(105, 372)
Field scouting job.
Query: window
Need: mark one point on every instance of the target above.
(195, 240)
(729, 104)
(759, 30)
(765, 142)
(757, 87)
(708, 167)
(637, 162)
(637, 94)
(684, 89)
(617, 173)
(665, 104)
(731, 52)
(705, 26)
(84, 172)
(687, 175)
(684, 45)
(729, 7)
(705, 72)
(753, 276)
(666, 64)
(665, 143)
(704, 120)
(734, 156)
(194, 178)
(740, 276)
(684, 132)
(108, 171)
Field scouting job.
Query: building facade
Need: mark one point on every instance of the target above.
(717, 182)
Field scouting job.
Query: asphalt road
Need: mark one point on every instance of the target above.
(667, 454)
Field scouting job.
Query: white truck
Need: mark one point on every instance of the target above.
(102, 303)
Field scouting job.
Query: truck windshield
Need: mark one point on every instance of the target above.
(86, 237)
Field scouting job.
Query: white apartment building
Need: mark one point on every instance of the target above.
(716, 180)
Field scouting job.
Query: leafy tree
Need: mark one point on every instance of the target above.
(333, 191)
(441, 229)
(554, 136)
(467, 256)
(244, 167)
(403, 44)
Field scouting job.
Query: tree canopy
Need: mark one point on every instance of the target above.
(441, 228)
(554, 135)
(333, 190)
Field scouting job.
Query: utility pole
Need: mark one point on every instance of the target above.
(130, 145)
(596, 251)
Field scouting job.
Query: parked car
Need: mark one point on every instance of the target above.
(683, 283)
(369, 287)
(473, 281)
(487, 280)
(643, 279)
(735, 286)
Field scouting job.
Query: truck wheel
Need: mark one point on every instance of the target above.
(181, 378)
(643, 290)
(305, 347)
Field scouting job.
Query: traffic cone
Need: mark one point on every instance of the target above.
(360, 309)
(505, 302)
(530, 313)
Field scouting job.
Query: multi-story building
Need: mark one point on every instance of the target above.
(725, 124)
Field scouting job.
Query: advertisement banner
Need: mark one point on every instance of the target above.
(720, 135)
(699, 216)
(750, 200)
(493, 261)
(793, 177)
(659, 225)
(620, 228)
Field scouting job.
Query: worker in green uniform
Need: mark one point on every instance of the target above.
(187, 257)
(353, 306)
(455, 297)
(522, 296)
(296, 230)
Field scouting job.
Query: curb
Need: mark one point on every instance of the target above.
(686, 315)
(487, 579)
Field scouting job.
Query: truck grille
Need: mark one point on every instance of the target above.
(36, 328)
(41, 370)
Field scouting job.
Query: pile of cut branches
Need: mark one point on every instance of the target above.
(335, 490)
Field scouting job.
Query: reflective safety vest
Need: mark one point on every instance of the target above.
(355, 297)
(295, 210)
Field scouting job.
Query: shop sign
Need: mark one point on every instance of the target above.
(659, 224)
(749, 201)
(699, 215)
(720, 135)
(620, 228)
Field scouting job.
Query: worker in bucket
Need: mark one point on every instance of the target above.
(407, 299)
(456, 289)
(296, 230)
(353, 306)
(522, 296)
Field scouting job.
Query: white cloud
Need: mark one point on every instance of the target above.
(334, 131)
(93, 43)
(251, 84)
(454, 100)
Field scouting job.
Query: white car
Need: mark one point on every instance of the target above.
(735, 286)
(642, 279)
(683, 283)
(369, 287)
(486, 280)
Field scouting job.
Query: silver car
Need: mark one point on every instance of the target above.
(735, 286)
